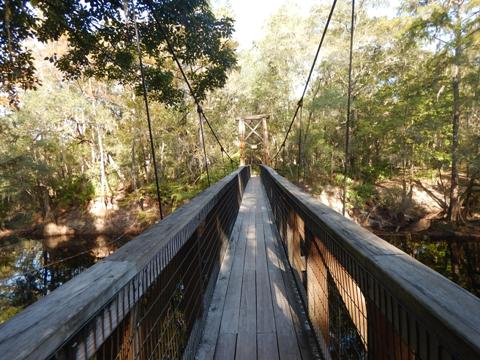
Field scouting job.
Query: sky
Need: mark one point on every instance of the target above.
(251, 15)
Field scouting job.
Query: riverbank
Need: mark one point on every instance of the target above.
(95, 220)
(389, 209)
(415, 225)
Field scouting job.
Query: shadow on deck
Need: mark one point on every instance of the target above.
(255, 312)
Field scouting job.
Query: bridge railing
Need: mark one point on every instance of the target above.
(146, 301)
(365, 298)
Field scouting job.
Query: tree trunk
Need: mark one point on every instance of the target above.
(133, 168)
(45, 199)
(103, 181)
(146, 165)
(117, 168)
(454, 206)
(162, 157)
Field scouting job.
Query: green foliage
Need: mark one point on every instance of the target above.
(101, 43)
(96, 130)
(146, 218)
(8, 311)
(371, 174)
(74, 191)
(361, 194)
(403, 97)
(16, 62)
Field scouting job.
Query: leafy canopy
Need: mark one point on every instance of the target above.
(101, 39)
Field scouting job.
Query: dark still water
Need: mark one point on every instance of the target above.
(456, 259)
(31, 268)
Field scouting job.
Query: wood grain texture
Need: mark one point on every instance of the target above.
(38, 331)
(257, 319)
(451, 313)
(206, 348)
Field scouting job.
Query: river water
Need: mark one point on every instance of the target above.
(456, 259)
(31, 268)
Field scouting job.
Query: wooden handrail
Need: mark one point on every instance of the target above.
(393, 305)
(109, 301)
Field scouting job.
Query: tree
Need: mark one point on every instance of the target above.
(448, 24)
(101, 43)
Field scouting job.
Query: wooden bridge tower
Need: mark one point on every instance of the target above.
(254, 139)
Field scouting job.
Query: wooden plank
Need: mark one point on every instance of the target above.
(296, 307)
(303, 344)
(222, 326)
(231, 308)
(246, 340)
(267, 346)
(257, 117)
(282, 265)
(265, 317)
(287, 342)
(206, 350)
(225, 349)
(251, 241)
(248, 314)
(255, 324)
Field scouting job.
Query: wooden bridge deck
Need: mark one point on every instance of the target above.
(255, 313)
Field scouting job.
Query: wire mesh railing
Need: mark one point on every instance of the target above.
(146, 301)
(367, 299)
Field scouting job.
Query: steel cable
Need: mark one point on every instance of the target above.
(300, 102)
(349, 107)
(185, 78)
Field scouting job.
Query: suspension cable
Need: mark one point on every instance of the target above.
(299, 143)
(147, 109)
(300, 102)
(349, 106)
(202, 136)
(185, 78)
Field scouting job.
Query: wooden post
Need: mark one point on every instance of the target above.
(241, 136)
(266, 153)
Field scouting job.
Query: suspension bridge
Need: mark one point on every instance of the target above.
(252, 268)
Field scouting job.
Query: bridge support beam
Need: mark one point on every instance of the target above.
(241, 138)
(254, 138)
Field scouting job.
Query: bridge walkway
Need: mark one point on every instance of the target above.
(255, 312)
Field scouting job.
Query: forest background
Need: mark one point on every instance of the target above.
(75, 149)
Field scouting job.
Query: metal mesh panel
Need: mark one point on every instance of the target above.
(153, 316)
(355, 314)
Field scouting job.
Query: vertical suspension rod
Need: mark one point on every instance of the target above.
(349, 110)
